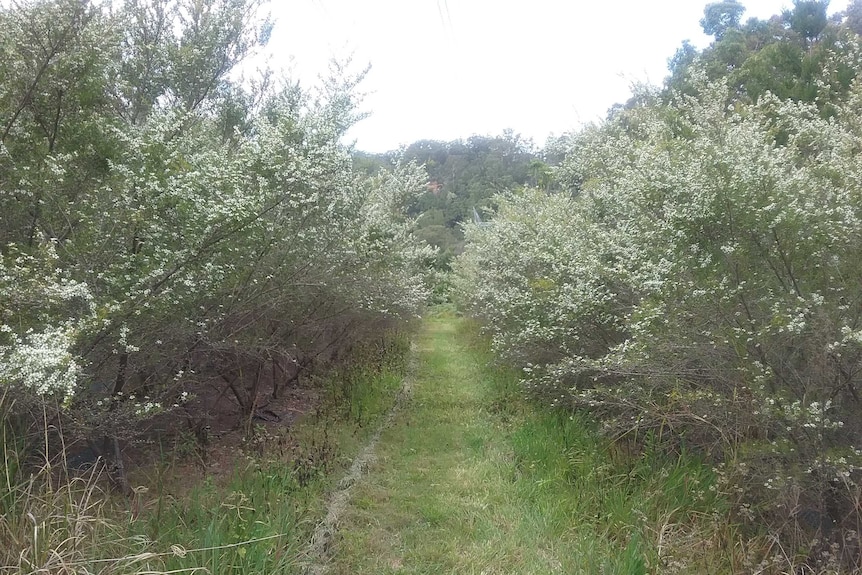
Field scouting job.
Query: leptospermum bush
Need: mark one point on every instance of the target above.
(701, 280)
(162, 224)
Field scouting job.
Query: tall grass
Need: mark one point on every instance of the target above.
(50, 521)
(628, 506)
(256, 519)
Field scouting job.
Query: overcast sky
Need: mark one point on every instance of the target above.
(448, 69)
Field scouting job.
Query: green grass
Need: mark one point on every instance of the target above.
(471, 478)
(257, 519)
(275, 501)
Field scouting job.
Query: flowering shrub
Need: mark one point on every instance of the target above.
(41, 311)
(41, 362)
(701, 280)
(162, 224)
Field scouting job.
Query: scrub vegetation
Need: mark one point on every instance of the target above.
(651, 356)
(698, 280)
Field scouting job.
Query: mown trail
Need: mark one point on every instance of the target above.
(443, 495)
(469, 478)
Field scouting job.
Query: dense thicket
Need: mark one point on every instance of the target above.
(165, 223)
(698, 282)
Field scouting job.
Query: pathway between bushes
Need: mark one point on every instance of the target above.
(440, 493)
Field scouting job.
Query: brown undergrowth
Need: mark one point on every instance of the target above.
(243, 496)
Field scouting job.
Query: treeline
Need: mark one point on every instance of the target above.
(791, 55)
(463, 177)
(696, 283)
(166, 224)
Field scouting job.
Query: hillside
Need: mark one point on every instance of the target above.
(463, 177)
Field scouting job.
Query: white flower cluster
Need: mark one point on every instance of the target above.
(40, 362)
(40, 358)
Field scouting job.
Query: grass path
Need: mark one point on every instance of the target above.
(441, 498)
(470, 479)
(446, 493)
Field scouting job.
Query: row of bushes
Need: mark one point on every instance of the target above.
(166, 222)
(700, 283)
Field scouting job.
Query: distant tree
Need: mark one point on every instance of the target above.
(784, 55)
(854, 16)
(808, 18)
(679, 64)
(719, 17)
(542, 175)
(463, 175)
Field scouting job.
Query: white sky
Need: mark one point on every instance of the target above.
(448, 69)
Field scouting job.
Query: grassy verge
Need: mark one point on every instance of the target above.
(472, 479)
(255, 519)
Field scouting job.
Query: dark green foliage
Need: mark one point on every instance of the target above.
(463, 175)
(808, 17)
(782, 55)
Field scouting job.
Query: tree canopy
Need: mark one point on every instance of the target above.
(463, 176)
(719, 17)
